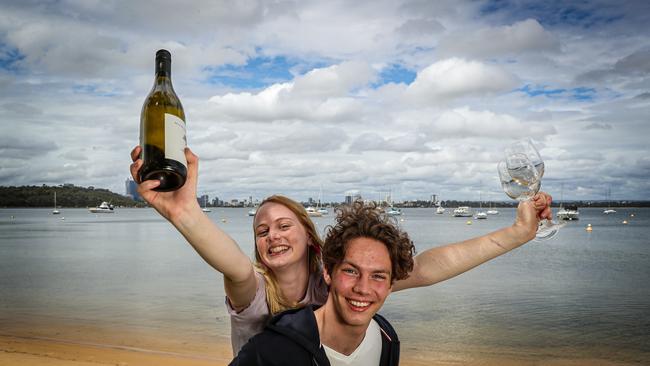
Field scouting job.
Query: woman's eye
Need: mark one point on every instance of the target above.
(380, 277)
(262, 233)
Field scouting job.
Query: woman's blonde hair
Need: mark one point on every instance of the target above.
(274, 298)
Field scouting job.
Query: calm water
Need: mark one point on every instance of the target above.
(580, 294)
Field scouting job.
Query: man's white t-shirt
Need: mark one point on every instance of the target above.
(367, 354)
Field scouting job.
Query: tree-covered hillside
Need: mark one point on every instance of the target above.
(66, 196)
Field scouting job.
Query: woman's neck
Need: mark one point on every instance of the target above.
(293, 282)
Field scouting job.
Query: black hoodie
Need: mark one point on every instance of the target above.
(291, 338)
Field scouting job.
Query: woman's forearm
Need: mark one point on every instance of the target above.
(220, 251)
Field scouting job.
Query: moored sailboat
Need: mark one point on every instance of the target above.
(55, 211)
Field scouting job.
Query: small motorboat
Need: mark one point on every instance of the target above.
(104, 207)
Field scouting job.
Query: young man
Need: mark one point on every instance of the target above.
(363, 255)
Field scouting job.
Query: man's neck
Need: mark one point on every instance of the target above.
(335, 334)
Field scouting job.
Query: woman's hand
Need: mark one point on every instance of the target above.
(529, 213)
(170, 205)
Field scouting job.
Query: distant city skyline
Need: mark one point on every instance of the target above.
(297, 98)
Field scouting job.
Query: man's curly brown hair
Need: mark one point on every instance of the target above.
(366, 220)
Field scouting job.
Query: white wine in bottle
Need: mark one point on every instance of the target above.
(162, 131)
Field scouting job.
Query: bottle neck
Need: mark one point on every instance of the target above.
(163, 68)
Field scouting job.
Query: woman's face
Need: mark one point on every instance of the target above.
(281, 240)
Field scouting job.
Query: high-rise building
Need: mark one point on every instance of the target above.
(132, 189)
(203, 200)
(348, 200)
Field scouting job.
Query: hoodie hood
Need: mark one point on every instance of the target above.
(300, 326)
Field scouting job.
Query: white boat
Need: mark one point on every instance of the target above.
(392, 211)
(440, 210)
(252, 211)
(55, 211)
(323, 211)
(568, 213)
(480, 215)
(609, 209)
(492, 210)
(103, 208)
(311, 211)
(462, 211)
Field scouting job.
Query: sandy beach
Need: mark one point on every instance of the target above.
(31, 342)
(53, 352)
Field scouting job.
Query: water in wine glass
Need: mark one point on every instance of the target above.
(517, 183)
(527, 148)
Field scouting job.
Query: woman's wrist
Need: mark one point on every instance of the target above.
(186, 217)
(521, 233)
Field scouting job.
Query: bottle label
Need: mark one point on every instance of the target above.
(175, 140)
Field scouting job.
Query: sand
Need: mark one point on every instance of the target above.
(32, 342)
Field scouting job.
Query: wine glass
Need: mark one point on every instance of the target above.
(521, 178)
(527, 148)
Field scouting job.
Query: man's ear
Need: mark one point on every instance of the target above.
(326, 276)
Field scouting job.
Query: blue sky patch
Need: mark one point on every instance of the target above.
(9, 57)
(555, 13)
(579, 94)
(258, 72)
(92, 89)
(396, 74)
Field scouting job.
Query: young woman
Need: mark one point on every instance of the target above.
(287, 268)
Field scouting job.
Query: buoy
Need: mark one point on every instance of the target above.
(624, 222)
(223, 220)
(631, 215)
(402, 220)
(63, 218)
(588, 227)
(469, 222)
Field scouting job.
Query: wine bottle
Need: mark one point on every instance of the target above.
(162, 131)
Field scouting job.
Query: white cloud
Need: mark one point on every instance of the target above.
(455, 78)
(74, 74)
(527, 36)
(321, 94)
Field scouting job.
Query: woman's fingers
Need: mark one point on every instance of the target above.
(192, 166)
(148, 185)
(135, 153)
(134, 168)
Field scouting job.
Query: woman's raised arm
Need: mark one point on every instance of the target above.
(215, 246)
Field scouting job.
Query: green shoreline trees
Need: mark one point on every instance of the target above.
(66, 196)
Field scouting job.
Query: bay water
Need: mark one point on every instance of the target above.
(581, 294)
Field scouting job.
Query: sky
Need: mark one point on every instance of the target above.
(301, 97)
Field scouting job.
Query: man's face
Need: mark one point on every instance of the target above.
(360, 284)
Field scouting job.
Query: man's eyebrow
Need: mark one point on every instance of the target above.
(373, 270)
